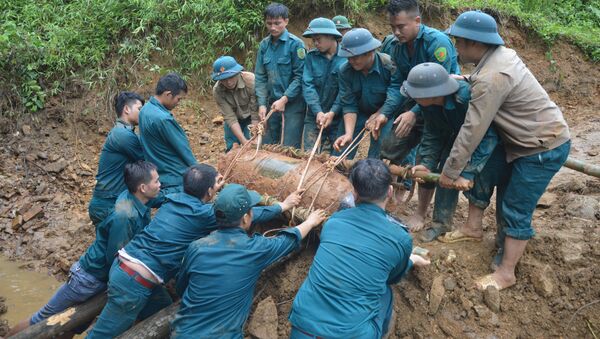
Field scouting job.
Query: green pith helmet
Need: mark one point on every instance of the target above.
(476, 26)
(341, 22)
(356, 42)
(428, 80)
(321, 26)
(225, 67)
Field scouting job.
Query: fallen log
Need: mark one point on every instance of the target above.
(158, 326)
(67, 321)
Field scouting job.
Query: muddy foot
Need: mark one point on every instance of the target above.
(415, 223)
(496, 280)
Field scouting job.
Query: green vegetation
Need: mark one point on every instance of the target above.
(576, 20)
(47, 46)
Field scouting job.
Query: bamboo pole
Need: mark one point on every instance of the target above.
(582, 167)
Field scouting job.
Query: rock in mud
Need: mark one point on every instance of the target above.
(26, 129)
(491, 296)
(449, 284)
(542, 281)
(547, 200)
(583, 206)
(450, 327)
(57, 167)
(4, 328)
(263, 324)
(436, 294)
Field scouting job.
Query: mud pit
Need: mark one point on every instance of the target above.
(50, 161)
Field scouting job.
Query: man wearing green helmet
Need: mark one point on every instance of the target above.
(234, 94)
(320, 84)
(443, 102)
(535, 134)
(342, 24)
(364, 81)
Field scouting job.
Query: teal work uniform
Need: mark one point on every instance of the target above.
(347, 293)
(430, 45)
(161, 247)
(278, 72)
(129, 218)
(218, 277)
(320, 87)
(441, 126)
(365, 94)
(122, 146)
(165, 145)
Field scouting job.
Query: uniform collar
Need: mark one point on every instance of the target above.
(283, 37)
(449, 102)
(141, 208)
(421, 31)
(376, 67)
(370, 206)
(124, 124)
(155, 101)
(232, 230)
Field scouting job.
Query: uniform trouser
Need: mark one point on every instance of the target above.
(100, 208)
(230, 138)
(311, 132)
(295, 111)
(128, 300)
(379, 325)
(446, 200)
(529, 177)
(375, 145)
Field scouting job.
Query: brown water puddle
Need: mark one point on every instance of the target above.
(25, 291)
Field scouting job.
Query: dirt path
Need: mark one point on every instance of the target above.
(49, 163)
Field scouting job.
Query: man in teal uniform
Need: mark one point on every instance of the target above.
(413, 43)
(122, 146)
(364, 81)
(534, 132)
(362, 252)
(154, 256)
(320, 84)
(164, 142)
(278, 72)
(443, 103)
(342, 24)
(219, 272)
(89, 275)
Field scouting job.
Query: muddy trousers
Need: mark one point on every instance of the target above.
(528, 178)
(230, 138)
(379, 325)
(80, 287)
(128, 300)
(311, 132)
(295, 111)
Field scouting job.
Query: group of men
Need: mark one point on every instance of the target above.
(496, 128)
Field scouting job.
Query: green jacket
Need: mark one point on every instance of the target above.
(279, 67)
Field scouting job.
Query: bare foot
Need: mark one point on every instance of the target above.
(475, 233)
(497, 279)
(416, 222)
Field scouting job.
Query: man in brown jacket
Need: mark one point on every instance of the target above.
(532, 128)
(234, 93)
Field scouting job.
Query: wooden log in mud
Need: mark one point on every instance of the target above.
(67, 321)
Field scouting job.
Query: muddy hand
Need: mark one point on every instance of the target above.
(279, 105)
(445, 181)
(419, 168)
(405, 122)
(291, 201)
(316, 218)
(376, 124)
(262, 112)
(341, 142)
(463, 184)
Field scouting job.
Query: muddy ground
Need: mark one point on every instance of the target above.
(49, 162)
